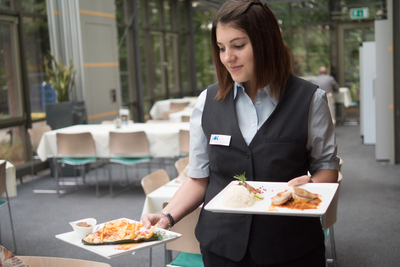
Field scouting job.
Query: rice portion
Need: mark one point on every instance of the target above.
(238, 196)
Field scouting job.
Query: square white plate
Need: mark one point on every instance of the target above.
(325, 190)
(110, 251)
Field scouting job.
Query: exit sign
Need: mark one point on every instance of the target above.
(359, 13)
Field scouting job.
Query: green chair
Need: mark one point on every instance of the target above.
(3, 189)
(128, 149)
(77, 150)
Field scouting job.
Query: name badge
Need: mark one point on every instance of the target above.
(220, 140)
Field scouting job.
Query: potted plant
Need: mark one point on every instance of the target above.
(66, 111)
(62, 77)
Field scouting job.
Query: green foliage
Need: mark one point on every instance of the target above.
(61, 77)
(12, 152)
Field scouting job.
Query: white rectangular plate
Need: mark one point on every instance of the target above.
(110, 251)
(325, 190)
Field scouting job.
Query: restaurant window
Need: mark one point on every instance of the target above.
(205, 71)
(37, 46)
(10, 88)
(154, 13)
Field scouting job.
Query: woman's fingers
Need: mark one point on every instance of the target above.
(299, 180)
(151, 219)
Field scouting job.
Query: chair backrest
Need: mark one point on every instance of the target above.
(129, 144)
(107, 122)
(179, 105)
(330, 216)
(184, 141)
(34, 261)
(3, 187)
(180, 164)
(154, 180)
(35, 134)
(185, 118)
(187, 242)
(77, 144)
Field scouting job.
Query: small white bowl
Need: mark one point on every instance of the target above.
(83, 231)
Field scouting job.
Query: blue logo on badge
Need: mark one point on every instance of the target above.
(215, 137)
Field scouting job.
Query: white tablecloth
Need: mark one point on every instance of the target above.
(155, 200)
(161, 106)
(163, 138)
(10, 180)
(343, 96)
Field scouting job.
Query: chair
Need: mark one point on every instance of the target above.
(180, 164)
(187, 244)
(151, 182)
(328, 220)
(185, 118)
(184, 141)
(154, 180)
(174, 107)
(35, 135)
(33, 261)
(3, 189)
(77, 150)
(128, 149)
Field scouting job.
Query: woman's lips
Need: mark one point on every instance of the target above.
(236, 68)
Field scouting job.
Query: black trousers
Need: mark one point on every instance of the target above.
(315, 258)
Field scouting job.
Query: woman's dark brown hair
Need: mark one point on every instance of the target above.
(273, 60)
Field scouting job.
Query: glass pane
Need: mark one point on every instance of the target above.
(172, 59)
(154, 14)
(157, 66)
(11, 145)
(167, 15)
(37, 45)
(10, 97)
(6, 5)
(184, 64)
(205, 71)
(34, 6)
(182, 14)
(352, 40)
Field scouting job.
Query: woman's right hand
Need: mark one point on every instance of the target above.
(151, 219)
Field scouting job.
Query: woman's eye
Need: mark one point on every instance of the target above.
(239, 46)
(221, 49)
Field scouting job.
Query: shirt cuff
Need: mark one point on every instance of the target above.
(329, 165)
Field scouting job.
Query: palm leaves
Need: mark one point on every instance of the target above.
(61, 77)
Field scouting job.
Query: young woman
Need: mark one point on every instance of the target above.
(277, 127)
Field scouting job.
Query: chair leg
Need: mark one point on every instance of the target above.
(109, 179)
(333, 247)
(151, 257)
(12, 227)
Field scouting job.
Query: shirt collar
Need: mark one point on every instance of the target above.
(267, 90)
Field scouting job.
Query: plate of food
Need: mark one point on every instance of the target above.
(119, 237)
(273, 198)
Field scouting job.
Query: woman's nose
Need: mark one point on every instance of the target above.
(229, 56)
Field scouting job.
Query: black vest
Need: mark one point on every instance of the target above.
(277, 153)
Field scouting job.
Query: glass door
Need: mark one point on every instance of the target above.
(351, 35)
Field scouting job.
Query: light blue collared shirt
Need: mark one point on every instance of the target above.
(251, 116)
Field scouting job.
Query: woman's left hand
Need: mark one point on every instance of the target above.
(299, 180)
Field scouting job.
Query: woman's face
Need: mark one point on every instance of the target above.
(236, 53)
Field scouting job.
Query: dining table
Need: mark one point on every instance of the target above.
(163, 138)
